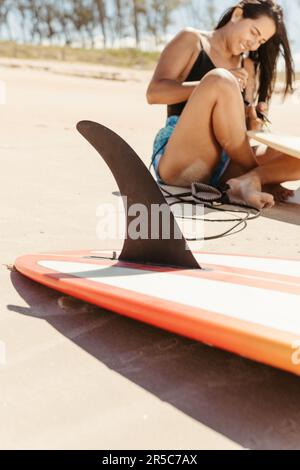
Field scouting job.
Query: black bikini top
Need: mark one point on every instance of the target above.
(201, 67)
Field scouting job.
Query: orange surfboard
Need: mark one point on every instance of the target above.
(247, 305)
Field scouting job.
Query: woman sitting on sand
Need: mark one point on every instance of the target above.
(210, 82)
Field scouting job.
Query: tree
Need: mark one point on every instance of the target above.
(159, 17)
(49, 15)
(21, 8)
(34, 8)
(138, 9)
(101, 6)
(200, 13)
(82, 17)
(4, 11)
(64, 19)
(120, 20)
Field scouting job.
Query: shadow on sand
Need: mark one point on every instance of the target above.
(252, 404)
(288, 213)
(282, 212)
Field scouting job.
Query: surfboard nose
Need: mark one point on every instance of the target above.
(168, 247)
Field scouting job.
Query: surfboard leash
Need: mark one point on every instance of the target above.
(213, 198)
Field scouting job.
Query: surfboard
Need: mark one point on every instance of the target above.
(283, 143)
(247, 305)
(296, 198)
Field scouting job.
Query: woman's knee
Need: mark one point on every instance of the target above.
(222, 81)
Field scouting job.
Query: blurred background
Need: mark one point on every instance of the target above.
(112, 32)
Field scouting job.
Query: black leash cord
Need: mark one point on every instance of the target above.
(243, 209)
(240, 221)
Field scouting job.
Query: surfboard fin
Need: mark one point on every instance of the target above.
(136, 183)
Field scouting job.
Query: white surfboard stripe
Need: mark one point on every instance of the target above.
(289, 144)
(266, 265)
(256, 305)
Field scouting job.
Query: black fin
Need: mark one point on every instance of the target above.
(137, 184)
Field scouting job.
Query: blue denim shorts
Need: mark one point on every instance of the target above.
(160, 142)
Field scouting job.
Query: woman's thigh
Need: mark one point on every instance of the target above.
(193, 151)
(263, 155)
(266, 154)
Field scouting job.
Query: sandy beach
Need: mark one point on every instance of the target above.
(78, 377)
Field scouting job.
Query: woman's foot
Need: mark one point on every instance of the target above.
(247, 190)
(280, 193)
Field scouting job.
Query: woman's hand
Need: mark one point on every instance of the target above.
(254, 123)
(262, 110)
(242, 76)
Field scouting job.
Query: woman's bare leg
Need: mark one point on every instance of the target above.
(278, 170)
(281, 169)
(272, 175)
(213, 119)
(265, 155)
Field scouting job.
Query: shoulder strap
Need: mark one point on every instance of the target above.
(201, 43)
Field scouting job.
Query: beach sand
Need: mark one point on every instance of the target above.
(75, 376)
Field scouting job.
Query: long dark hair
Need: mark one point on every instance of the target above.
(266, 57)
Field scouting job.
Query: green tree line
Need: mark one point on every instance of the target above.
(89, 23)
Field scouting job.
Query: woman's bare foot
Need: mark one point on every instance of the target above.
(280, 193)
(247, 190)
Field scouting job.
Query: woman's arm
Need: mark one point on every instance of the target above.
(251, 87)
(253, 119)
(166, 86)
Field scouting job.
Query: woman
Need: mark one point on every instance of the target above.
(210, 87)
